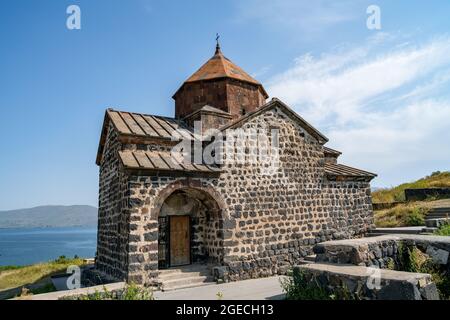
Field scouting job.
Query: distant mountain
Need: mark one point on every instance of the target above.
(49, 216)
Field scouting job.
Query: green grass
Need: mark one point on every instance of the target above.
(443, 230)
(15, 276)
(402, 215)
(6, 268)
(299, 287)
(435, 180)
(130, 292)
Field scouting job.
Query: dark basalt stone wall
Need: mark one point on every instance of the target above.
(423, 194)
(258, 224)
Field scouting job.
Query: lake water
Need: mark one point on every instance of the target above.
(28, 246)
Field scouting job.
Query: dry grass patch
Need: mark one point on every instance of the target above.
(403, 215)
(14, 277)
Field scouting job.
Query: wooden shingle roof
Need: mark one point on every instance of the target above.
(160, 161)
(130, 123)
(142, 126)
(339, 170)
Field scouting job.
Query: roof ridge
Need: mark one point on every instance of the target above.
(277, 102)
(222, 60)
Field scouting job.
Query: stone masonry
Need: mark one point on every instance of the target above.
(251, 223)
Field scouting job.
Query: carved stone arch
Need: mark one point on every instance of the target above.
(204, 242)
(207, 194)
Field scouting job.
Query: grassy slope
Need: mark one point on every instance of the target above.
(403, 215)
(12, 277)
(436, 180)
(407, 214)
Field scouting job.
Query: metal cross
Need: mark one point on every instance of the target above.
(217, 38)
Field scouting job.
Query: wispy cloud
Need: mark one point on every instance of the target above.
(307, 16)
(384, 103)
(261, 72)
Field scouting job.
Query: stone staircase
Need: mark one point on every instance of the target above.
(185, 277)
(401, 230)
(437, 216)
(308, 259)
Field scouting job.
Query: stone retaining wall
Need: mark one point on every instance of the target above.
(362, 283)
(379, 251)
(423, 194)
(371, 268)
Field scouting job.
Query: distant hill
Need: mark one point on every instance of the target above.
(49, 216)
(435, 180)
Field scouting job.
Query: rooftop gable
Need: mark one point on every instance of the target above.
(276, 103)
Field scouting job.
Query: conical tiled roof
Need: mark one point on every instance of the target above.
(221, 67)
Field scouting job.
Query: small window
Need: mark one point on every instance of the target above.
(243, 112)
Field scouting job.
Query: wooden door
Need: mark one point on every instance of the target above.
(180, 241)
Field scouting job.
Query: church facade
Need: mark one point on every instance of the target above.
(248, 218)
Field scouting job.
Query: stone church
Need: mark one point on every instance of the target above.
(158, 213)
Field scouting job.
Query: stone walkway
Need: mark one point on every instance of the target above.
(254, 289)
(82, 291)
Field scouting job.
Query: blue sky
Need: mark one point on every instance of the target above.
(382, 97)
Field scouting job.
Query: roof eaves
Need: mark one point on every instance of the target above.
(331, 151)
(340, 170)
(103, 134)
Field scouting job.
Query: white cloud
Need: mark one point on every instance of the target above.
(388, 110)
(307, 16)
(261, 72)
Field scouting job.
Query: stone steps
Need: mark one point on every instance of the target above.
(437, 216)
(429, 230)
(436, 223)
(186, 282)
(308, 259)
(441, 209)
(388, 231)
(438, 212)
(185, 269)
(184, 277)
(311, 258)
(178, 275)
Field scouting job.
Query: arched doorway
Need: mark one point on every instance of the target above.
(190, 229)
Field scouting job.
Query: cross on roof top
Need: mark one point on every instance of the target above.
(218, 44)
